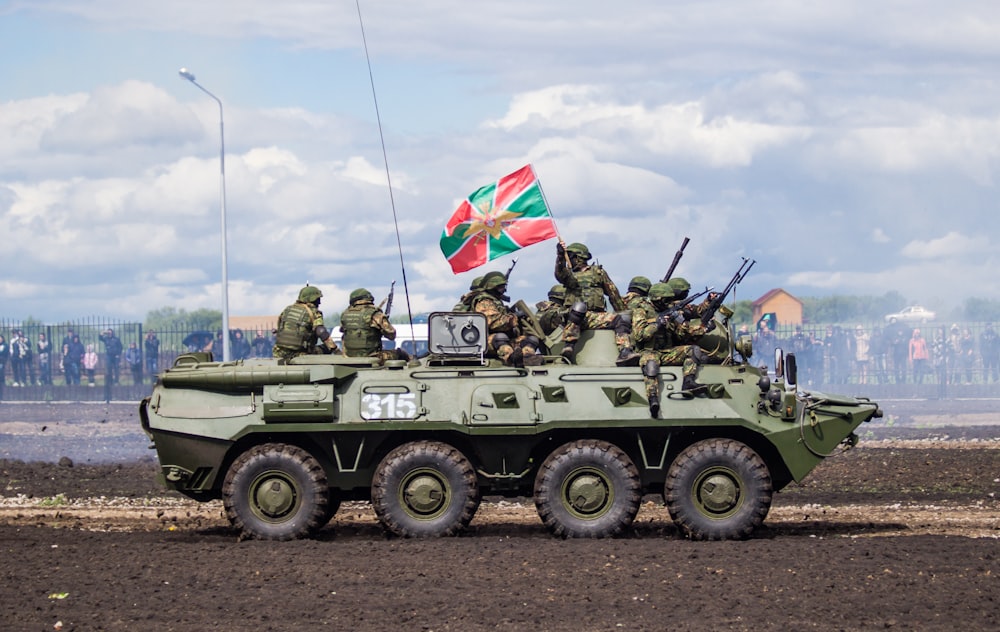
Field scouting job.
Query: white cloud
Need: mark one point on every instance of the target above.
(952, 244)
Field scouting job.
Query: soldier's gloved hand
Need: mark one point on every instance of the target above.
(518, 311)
(560, 248)
(663, 320)
(710, 326)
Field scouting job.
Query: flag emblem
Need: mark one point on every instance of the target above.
(497, 219)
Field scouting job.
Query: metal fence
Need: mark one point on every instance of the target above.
(35, 371)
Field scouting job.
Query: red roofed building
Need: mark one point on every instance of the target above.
(786, 308)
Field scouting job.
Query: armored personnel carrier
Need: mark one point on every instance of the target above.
(284, 443)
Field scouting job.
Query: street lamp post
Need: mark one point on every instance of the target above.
(226, 356)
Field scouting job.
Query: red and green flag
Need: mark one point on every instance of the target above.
(497, 219)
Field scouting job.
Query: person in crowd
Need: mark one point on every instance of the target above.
(967, 354)
(73, 352)
(241, 346)
(900, 348)
(4, 357)
(17, 353)
(151, 347)
(764, 344)
(44, 349)
(261, 345)
(300, 327)
(90, 360)
(133, 358)
(989, 350)
(955, 349)
(939, 360)
(216, 347)
(919, 355)
(877, 355)
(113, 352)
(862, 353)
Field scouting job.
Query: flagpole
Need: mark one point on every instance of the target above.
(546, 202)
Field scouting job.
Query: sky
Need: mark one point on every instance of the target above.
(848, 147)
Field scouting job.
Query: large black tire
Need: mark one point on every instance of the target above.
(718, 489)
(425, 489)
(276, 492)
(587, 489)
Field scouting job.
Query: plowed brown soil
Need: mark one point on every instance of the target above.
(901, 534)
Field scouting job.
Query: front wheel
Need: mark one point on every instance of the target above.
(425, 489)
(718, 489)
(587, 489)
(276, 492)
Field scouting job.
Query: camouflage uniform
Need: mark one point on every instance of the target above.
(511, 347)
(551, 314)
(300, 326)
(588, 284)
(364, 325)
(464, 304)
(638, 289)
(659, 344)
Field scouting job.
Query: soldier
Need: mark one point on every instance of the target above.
(300, 325)
(504, 337)
(551, 314)
(586, 286)
(656, 337)
(464, 304)
(638, 288)
(364, 325)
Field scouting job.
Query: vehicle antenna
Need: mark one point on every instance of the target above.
(385, 160)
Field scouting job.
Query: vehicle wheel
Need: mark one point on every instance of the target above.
(892, 321)
(718, 489)
(587, 489)
(276, 492)
(425, 489)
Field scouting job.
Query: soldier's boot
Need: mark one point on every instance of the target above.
(567, 351)
(516, 357)
(693, 386)
(534, 359)
(627, 357)
(654, 405)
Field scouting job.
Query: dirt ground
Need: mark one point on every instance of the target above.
(899, 533)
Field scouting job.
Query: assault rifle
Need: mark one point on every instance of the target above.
(719, 299)
(675, 312)
(677, 259)
(388, 300)
(510, 269)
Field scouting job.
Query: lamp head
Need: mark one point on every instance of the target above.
(186, 74)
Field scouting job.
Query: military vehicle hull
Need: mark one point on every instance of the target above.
(282, 444)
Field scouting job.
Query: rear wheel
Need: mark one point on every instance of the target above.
(587, 489)
(718, 489)
(425, 489)
(276, 492)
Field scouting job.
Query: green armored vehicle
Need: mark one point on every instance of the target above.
(283, 444)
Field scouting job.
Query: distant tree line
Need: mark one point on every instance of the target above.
(825, 309)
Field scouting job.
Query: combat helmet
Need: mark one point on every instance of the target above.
(361, 294)
(639, 284)
(680, 285)
(309, 294)
(576, 248)
(661, 292)
(557, 293)
(493, 280)
(477, 283)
